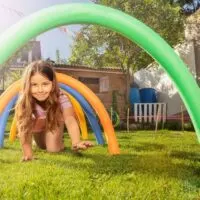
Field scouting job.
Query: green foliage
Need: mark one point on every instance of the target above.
(114, 101)
(176, 125)
(188, 126)
(163, 165)
(57, 56)
(9, 77)
(98, 47)
(173, 125)
(12, 76)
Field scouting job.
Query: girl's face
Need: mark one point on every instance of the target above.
(40, 87)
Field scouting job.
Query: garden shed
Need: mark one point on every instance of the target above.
(109, 84)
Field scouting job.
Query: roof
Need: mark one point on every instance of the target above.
(115, 70)
(87, 68)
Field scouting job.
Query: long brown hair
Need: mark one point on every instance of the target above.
(25, 106)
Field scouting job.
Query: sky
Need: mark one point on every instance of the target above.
(12, 11)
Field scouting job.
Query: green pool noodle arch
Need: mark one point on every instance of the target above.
(80, 13)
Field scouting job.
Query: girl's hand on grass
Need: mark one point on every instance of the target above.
(26, 159)
(83, 145)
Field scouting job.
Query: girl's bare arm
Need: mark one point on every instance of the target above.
(71, 125)
(26, 144)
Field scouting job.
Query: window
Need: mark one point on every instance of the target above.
(92, 83)
(104, 84)
(87, 80)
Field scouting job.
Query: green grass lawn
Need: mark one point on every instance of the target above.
(162, 165)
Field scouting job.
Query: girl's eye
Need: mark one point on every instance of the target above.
(33, 84)
(45, 83)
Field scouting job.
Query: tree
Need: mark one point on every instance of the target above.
(99, 47)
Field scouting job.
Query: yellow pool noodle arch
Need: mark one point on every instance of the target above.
(13, 130)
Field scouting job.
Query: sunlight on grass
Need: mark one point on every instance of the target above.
(163, 165)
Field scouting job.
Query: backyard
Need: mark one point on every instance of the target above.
(161, 165)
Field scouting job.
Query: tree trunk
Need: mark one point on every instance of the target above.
(127, 85)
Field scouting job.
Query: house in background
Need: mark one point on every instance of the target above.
(28, 54)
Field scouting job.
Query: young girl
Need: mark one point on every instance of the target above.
(42, 110)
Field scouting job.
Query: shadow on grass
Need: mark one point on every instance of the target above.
(150, 164)
(193, 156)
(6, 161)
(14, 148)
(146, 146)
